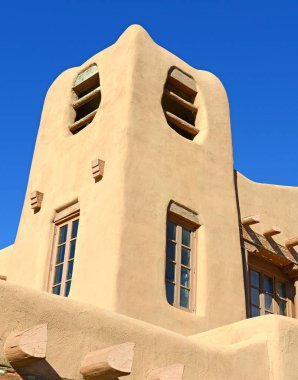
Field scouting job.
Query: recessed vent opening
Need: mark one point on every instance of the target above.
(88, 97)
(178, 103)
(87, 108)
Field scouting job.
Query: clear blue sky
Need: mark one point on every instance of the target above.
(251, 45)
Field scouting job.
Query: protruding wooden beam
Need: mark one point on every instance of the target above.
(274, 230)
(172, 372)
(24, 347)
(290, 243)
(109, 363)
(248, 220)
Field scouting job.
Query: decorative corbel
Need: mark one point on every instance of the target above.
(97, 169)
(36, 198)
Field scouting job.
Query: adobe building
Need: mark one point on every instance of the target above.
(140, 251)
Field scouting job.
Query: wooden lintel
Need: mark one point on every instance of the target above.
(274, 230)
(289, 243)
(24, 347)
(248, 220)
(109, 363)
(172, 372)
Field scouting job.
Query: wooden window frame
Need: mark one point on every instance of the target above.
(63, 219)
(275, 297)
(183, 223)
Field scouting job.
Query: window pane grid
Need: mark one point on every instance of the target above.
(65, 252)
(270, 300)
(179, 288)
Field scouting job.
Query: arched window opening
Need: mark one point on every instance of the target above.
(88, 96)
(178, 103)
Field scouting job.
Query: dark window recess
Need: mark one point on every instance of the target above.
(88, 94)
(178, 103)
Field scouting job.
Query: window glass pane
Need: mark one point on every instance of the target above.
(67, 288)
(186, 237)
(282, 307)
(268, 302)
(185, 277)
(171, 230)
(60, 254)
(171, 247)
(72, 249)
(185, 257)
(254, 311)
(184, 297)
(268, 284)
(255, 278)
(74, 231)
(281, 289)
(255, 296)
(62, 234)
(170, 271)
(56, 289)
(58, 274)
(170, 292)
(69, 270)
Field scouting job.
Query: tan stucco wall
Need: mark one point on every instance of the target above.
(280, 335)
(120, 256)
(276, 205)
(5, 257)
(235, 352)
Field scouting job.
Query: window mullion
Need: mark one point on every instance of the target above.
(66, 257)
(262, 294)
(178, 263)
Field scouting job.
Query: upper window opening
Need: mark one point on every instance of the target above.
(178, 103)
(181, 257)
(88, 96)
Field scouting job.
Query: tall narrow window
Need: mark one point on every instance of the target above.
(180, 261)
(268, 294)
(65, 238)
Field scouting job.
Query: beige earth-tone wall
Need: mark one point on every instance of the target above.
(5, 258)
(276, 205)
(263, 348)
(120, 254)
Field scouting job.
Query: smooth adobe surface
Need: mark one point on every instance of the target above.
(147, 164)
(117, 301)
(80, 328)
(120, 252)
